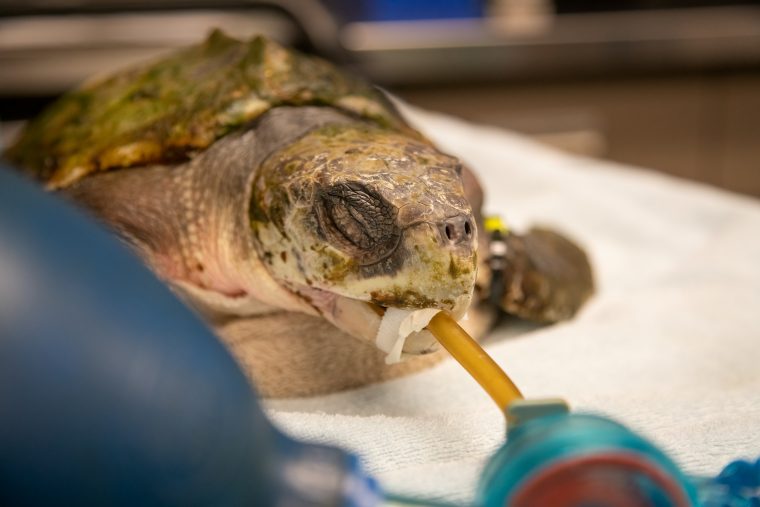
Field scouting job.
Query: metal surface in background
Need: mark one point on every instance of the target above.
(48, 54)
(541, 44)
(48, 46)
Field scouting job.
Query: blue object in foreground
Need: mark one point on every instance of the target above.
(113, 393)
(553, 457)
(737, 485)
(561, 459)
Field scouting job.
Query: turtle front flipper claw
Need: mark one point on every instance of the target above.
(541, 275)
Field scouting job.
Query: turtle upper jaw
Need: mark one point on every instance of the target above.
(433, 266)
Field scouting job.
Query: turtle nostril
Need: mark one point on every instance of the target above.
(449, 230)
(457, 230)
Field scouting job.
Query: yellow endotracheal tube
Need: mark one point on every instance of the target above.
(475, 360)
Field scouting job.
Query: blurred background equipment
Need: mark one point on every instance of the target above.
(668, 84)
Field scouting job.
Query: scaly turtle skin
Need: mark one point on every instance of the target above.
(256, 180)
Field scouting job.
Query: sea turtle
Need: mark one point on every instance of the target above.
(283, 198)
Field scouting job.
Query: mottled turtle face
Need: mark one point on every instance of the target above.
(366, 214)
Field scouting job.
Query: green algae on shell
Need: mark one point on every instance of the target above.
(165, 111)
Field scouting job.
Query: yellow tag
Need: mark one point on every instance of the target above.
(493, 223)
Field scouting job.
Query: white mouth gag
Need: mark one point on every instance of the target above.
(396, 326)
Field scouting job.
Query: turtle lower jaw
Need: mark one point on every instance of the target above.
(361, 319)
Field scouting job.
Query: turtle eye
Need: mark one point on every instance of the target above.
(358, 221)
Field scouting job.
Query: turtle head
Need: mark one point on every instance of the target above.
(354, 213)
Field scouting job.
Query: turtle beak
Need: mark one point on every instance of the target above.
(439, 262)
(438, 272)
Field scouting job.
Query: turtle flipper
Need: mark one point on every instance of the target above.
(546, 277)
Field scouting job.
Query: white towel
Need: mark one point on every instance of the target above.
(670, 344)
